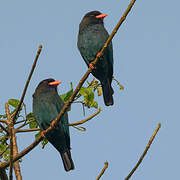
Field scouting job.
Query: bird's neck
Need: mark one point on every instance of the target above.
(93, 26)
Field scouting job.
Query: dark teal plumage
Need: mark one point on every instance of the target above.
(91, 38)
(46, 106)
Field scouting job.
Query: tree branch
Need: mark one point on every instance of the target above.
(85, 120)
(22, 153)
(17, 169)
(3, 121)
(68, 103)
(27, 83)
(144, 153)
(4, 129)
(27, 130)
(103, 170)
(10, 127)
(13, 147)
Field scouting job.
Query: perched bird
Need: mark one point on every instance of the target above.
(91, 38)
(46, 106)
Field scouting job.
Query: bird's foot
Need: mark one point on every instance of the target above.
(91, 65)
(43, 133)
(53, 123)
(98, 55)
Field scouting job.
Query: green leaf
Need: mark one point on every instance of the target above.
(38, 134)
(3, 138)
(67, 95)
(6, 155)
(30, 116)
(88, 95)
(82, 91)
(2, 147)
(44, 142)
(33, 124)
(94, 83)
(3, 116)
(99, 91)
(94, 104)
(13, 102)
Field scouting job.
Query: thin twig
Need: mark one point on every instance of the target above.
(118, 83)
(3, 121)
(103, 170)
(85, 120)
(144, 153)
(27, 83)
(68, 103)
(24, 124)
(27, 130)
(4, 129)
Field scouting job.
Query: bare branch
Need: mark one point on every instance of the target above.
(4, 129)
(27, 83)
(13, 147)
(103, 170)
(85, 120)
(15, 152)
(68, 103)
(27, 130)
(10, 127)
(118, 83)
(144, 153)
(3, 121)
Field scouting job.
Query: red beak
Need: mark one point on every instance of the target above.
(101, 16)
(55, 83)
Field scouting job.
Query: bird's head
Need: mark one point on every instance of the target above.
(47, 85)
(93, 17)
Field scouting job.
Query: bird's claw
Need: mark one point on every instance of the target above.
(43, 133)
(98, 55)
(91, 66)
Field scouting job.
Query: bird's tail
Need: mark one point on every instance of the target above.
(67, 160)
(107, 93)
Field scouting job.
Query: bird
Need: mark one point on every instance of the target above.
(47, 104)
(91, 38)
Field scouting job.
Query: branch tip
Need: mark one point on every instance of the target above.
(144, 153)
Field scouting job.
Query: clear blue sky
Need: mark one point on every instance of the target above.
(146, 62)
